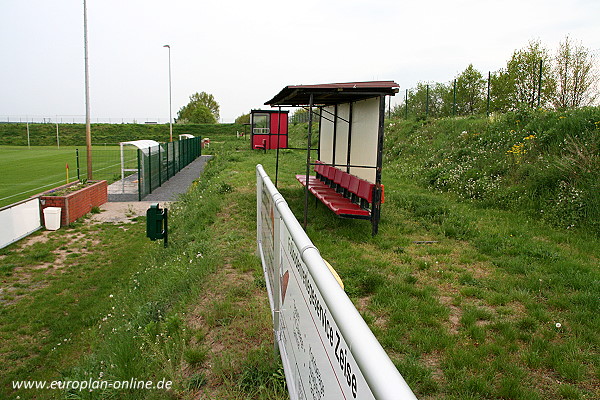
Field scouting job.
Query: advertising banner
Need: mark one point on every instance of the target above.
(19, 220)
(327, 350)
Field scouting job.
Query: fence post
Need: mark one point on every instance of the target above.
(180, 155)
(159, 167)
(540, 84)
(149, 169)
(454, 99)
(139, 157)
(406, 105)
(487, 111)
(427, 103)
(77, 157)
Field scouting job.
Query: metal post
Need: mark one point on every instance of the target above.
(170, 115)
(167, 163)
(540, 84)
(335, 119)
(278, 137)
(159, 167)
(348, 160)
(427, 103)
(77, 156)
(122, 169)
(310, 106)
(165, 232)
(88, 127)
(28, 142)
(376, 209)
(57, 139)
(454, 99)
(139, 167)
(406, 105)
(487, 111)
(150, 169)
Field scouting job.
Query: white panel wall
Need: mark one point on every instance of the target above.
(18, 221)
(365, 129)
(341, 145)
(326, 135)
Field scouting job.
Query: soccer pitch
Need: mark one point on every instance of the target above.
(25, 171)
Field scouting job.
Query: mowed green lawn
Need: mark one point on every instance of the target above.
(28, 171)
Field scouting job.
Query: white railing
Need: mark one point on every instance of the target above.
(327, 349)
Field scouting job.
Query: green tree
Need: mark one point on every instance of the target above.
(576, 77)
(524, 75)
(501, 91)
(243, 119)
(195, 110)
(300, 115)
(470, 87)
(429, 100)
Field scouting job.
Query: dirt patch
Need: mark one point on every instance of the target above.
(455, 313)
(433, 362)
(122, 212)
(66, 246)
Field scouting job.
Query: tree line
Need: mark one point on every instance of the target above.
(533, 78)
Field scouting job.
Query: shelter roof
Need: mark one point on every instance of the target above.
(268, 111)
(142, 144)
(332, 93)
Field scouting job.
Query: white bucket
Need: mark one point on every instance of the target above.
(52, 218)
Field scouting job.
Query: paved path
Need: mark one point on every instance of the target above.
(180, 183)
(127, 191)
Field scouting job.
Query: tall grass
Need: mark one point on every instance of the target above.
(545, 163)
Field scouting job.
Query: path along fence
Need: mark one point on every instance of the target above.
(157, 164)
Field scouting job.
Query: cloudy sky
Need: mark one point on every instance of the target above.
(244, 52)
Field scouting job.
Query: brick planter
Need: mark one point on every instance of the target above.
(76, 204)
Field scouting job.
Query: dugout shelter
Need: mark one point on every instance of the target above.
(348, 159)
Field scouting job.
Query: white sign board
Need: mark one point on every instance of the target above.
(327, 350)
(19, 220)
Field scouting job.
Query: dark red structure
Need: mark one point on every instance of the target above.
(269, 129)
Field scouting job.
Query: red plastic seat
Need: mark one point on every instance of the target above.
(346, 208)
(330, 172)
(365, 190)
(345, 180)
(354, 185)
(345, 184)
(337, 178)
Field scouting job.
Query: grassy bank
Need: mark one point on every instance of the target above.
(545, 163)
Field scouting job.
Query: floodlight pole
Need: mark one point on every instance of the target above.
(88, 129)
(170, 117)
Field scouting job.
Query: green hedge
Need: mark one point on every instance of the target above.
(74, 134)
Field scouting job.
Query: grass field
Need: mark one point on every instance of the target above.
(28, 171)
(498, 305)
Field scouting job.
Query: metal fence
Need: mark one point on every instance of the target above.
(158, 164)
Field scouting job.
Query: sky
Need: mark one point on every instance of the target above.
(245, 52)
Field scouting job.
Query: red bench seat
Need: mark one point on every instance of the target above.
(343, 193)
